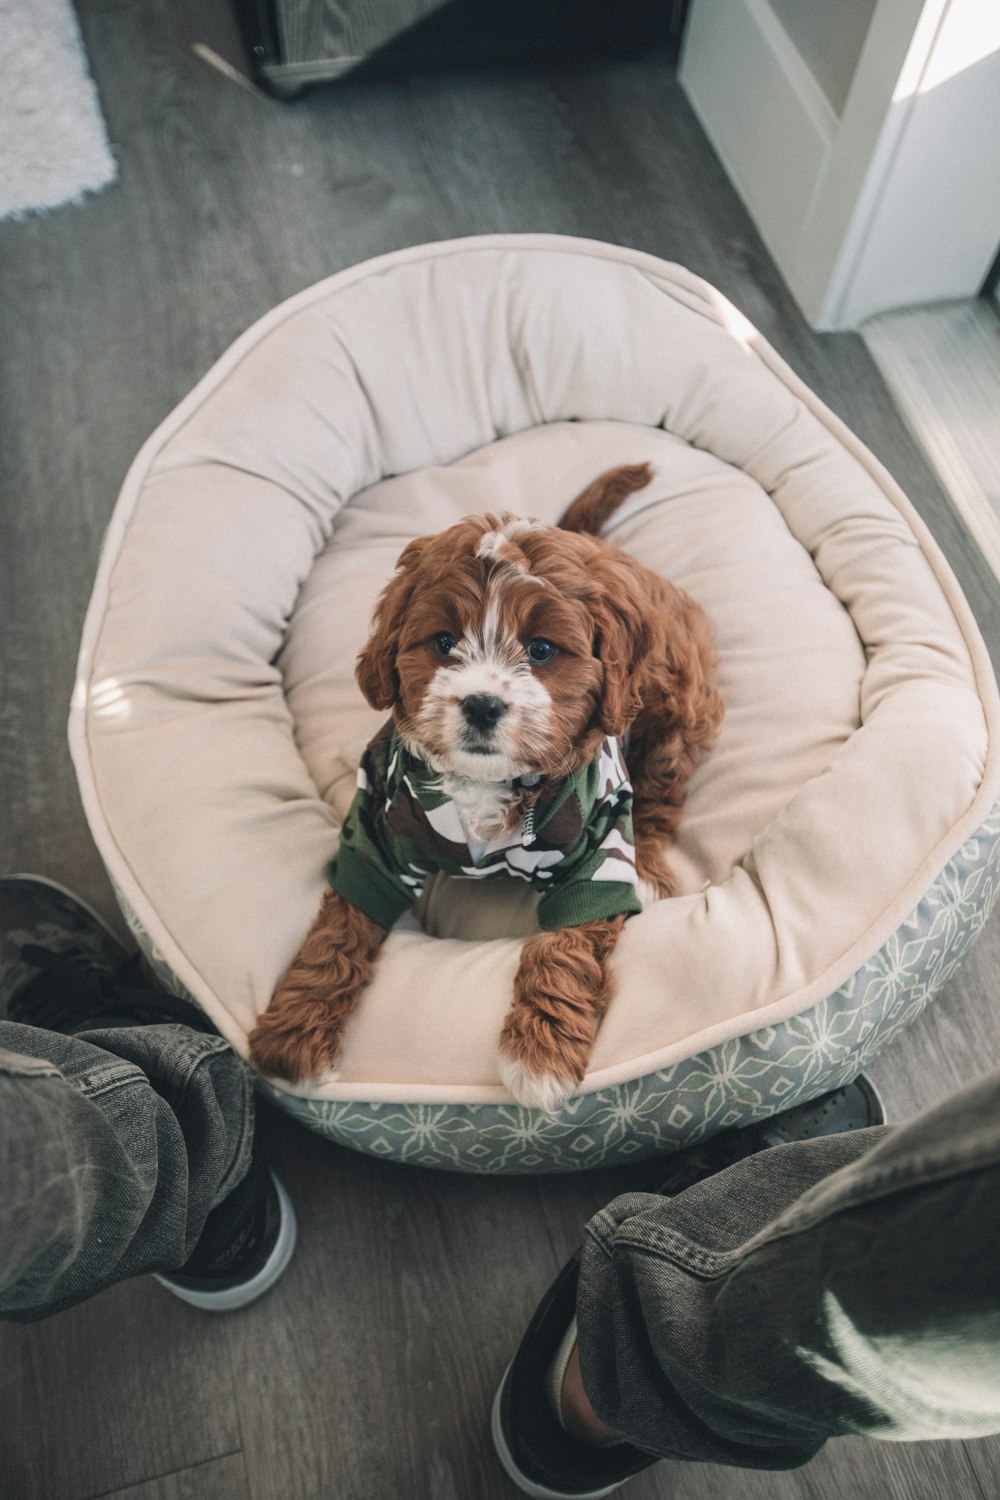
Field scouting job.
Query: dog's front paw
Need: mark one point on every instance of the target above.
(534, 1089)
(285, 1045)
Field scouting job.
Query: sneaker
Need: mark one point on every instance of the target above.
(63, 969)
(537, 1454)
(244, 1248)
(854, 1107)
(534, 1449)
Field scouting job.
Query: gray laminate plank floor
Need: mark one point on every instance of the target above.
(369, 1370)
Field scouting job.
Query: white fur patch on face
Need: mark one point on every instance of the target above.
(492, 643)
(441, 720)
(489, 661)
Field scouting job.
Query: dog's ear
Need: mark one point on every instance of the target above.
(375, 670)
(622, 642)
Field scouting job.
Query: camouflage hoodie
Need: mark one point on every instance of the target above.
(574, 843)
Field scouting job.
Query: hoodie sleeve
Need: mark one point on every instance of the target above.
(370, 869)
(596, 878)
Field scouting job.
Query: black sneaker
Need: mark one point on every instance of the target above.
(854, 1107)
(244, 1248)
(63, 969)
(542, 1459)
(538, 1455)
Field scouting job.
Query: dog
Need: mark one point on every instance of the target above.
(517, 659)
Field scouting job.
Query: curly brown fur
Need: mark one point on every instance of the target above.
(674, 708)
(681, 714)
(599, 501)
(561, 991)
(299, 1034)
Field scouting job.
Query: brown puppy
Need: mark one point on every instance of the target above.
(513, 656)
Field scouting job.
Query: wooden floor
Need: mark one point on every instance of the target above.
(369, 1370)
(942, 365)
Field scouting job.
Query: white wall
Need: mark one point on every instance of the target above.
(828, 35)
(927, 223)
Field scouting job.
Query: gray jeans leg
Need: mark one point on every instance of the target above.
(114, 1148)
(845, 1285)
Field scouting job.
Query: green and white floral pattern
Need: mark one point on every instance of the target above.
(741, 1080)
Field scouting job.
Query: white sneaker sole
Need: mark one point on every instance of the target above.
(234, 1297)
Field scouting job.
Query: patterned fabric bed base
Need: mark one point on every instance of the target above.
(744, 1079)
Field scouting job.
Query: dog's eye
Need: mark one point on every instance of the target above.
(539, 651)
(444, 644)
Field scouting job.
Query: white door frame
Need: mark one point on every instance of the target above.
(896, 201)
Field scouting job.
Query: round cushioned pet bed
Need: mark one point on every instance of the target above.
(839, 847)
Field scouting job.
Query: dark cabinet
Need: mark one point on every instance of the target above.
(292, 44)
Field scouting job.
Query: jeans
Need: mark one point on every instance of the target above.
(115, 1145)
(841, 1285)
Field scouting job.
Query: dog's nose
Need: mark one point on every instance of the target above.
(482, 710)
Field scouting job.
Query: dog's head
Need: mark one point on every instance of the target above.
(506, 647)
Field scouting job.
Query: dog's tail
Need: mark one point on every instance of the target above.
(593, 509)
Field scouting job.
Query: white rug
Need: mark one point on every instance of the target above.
(53, 144)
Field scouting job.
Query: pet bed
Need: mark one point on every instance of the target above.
(840, 845)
